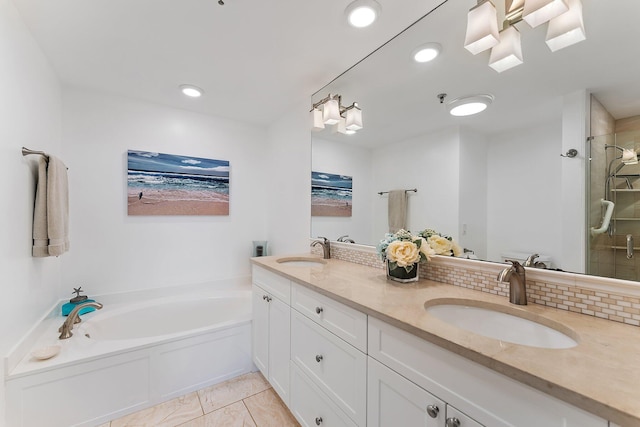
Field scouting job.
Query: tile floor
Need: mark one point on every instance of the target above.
(244, 401)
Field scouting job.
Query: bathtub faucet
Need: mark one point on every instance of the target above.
(74, 317)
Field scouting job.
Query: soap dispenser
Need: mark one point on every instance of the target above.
(77, 300)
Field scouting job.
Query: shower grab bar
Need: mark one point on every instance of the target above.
(605, 220)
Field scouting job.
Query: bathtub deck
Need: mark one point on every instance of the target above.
(247, 400)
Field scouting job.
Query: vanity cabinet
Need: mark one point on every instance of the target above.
(272, 328)
(486, 396)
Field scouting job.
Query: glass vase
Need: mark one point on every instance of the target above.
(399, 274)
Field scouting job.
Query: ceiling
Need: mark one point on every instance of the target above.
(399, 97)
(254, 59)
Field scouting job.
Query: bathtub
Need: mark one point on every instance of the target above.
(131, 355)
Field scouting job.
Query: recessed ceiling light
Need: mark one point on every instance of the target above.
(191, 91)
(362, 13)
(426, 52)
(469, 105)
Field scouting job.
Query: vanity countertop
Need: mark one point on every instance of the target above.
(600, 375)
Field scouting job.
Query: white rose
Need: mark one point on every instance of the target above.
(403, 253)
(427, 250)
(440, 245)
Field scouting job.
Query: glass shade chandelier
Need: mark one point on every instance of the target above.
(566, 27)
(329, 111)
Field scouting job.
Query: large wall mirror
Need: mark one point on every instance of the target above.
(495, 181)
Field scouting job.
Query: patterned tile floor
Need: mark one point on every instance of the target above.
(244, 401)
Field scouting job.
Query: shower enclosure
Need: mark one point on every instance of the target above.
(614, 206)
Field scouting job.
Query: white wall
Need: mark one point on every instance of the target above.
(418, 163)
(524, 192)
(113, 252)
(344, 159)
(30, 116)
(289, 191)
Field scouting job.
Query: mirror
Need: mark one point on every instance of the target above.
(494, 181)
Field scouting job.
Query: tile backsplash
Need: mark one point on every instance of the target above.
(618, 301)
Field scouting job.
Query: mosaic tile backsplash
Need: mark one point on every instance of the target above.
(612, 306)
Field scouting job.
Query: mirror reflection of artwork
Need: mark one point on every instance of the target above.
(331, 195)
(166, 184)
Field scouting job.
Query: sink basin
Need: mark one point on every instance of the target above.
(302, 261)
(502, 323)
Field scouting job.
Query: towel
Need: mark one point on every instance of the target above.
(397, 210)
(51, 210)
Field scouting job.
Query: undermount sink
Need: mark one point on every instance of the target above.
(302, 261)
(502, 323)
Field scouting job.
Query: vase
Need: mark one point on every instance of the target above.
(399, 274)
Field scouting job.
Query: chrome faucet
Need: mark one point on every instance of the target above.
(345, 239)
(530, 261)
(73, 318)
(326, 246)
(515, 276)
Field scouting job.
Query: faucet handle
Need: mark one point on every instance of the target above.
(325, 240)
(530, 260)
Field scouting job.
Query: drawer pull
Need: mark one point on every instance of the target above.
(433, 411)
(318, 421)
(319, 310)
(319, 358)
(453, 422)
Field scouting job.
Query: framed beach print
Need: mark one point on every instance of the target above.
(331, 195)
(168, 184)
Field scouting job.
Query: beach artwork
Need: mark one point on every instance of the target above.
(331, 195)
(166, 184)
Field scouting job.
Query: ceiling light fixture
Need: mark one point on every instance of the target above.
(329, 111)
(426, 52)
(566, 27)
(191, 91)
(468, 105)
(362, 13)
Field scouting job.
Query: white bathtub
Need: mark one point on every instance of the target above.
(132, 355)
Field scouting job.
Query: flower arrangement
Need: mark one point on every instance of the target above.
(402, 249)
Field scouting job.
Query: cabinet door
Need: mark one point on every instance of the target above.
(279, 347)
(260, 330)
(456, 418)
(395, 401)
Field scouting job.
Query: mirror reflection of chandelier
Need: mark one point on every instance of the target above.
(329, 111)
(565, 28)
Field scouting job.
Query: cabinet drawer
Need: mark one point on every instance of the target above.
(488, 397)
(336, 367)
(311, 406)
(278, 286)
(346, 322)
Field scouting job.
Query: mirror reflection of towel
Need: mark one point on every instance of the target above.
(397, 210)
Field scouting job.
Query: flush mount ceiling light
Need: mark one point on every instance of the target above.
(329, 111)
(566, 27)
(468, 105)
(362, 13)
(191, 91)
(426, 52)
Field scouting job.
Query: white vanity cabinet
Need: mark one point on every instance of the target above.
(489, 398)
(272, 328)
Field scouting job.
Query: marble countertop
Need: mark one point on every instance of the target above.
(600, 375)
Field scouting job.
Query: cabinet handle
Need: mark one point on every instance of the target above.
(265, 297)
(452, 422)
(319, 310)
(319, 358)
(318, 421)
(433, 411)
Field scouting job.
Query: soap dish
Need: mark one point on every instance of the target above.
(45, 353)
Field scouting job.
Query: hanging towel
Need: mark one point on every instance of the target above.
(397, 210)
(51, 211)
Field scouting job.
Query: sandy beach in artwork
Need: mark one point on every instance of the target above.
(330, 207)
(176, 202)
